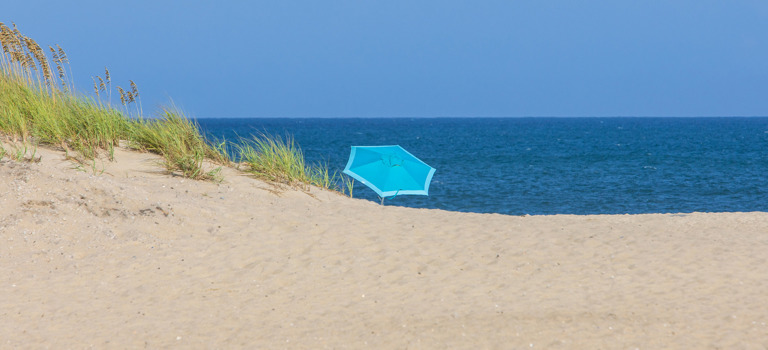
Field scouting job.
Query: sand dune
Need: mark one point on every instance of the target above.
(133, 258)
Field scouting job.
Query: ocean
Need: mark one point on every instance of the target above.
(537, 166)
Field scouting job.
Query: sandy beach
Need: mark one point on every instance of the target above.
(122, 255)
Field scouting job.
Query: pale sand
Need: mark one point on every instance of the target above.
(133, 258)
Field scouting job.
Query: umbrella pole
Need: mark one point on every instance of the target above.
(393, 197)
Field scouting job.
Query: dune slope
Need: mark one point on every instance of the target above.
(133, 257)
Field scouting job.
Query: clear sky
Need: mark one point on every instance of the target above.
(417, 58)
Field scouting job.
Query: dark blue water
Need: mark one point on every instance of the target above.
(552, 165)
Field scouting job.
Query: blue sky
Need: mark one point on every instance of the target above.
(416, 58)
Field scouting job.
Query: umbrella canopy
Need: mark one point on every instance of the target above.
(389, 170)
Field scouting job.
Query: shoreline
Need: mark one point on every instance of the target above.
(133, 257)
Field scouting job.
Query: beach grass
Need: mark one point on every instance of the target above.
(39, 106)
(177, 139)
(281, 160)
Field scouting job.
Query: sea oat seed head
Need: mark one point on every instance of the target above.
(134, 89)
(39, 55)
(29, 62)
(62, 54)
(5, 37)
(122, 95)
(16, 30)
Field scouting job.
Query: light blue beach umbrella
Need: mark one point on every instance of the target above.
(389, 170)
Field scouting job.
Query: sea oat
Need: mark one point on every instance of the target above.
(134, 89)
(53, 53)
(39, 55)
(62, 78)
(95, 87)
(5, 39)
(59, 68)
(62, 55)
(122, 95)
(109, 82)
(11, 44)
(16, 31)
(15, 37)
(28, 62)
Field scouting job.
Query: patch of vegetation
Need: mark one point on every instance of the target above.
(38, 105)
(281, 160)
